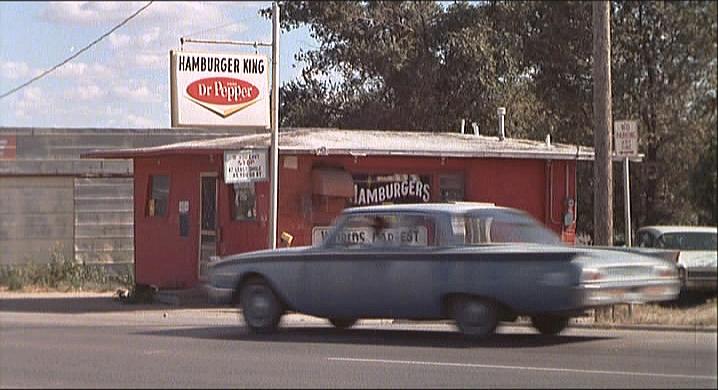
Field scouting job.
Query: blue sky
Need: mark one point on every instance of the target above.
(123, 80)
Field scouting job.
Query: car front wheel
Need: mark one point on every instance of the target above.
(476, 318)
(549, 324)
(260, 307)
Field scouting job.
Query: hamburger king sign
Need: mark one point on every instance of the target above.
(219, 89)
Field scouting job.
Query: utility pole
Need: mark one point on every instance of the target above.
(602, 170)
(275, 129)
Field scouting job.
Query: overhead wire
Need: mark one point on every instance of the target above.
(218, 27)
(103, 36)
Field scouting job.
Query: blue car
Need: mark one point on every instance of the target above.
(474, 263)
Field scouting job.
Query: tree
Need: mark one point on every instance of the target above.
(426, 65)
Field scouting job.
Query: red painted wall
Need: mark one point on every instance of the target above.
(167, 260)
(162, 257)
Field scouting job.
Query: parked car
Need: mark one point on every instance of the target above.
(697, 252)
(477, 264)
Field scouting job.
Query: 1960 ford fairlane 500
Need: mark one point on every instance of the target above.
(474, 263)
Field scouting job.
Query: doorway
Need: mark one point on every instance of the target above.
(208, 221)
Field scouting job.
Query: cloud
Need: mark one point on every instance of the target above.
(84, 70)
(137, 92)
(88, 12)
(86, 92)
(16, 70)
(182, 13)
(140, 121)
(118, 40)
(30, 102)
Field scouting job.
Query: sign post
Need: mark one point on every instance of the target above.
(626, 143)
(216, 98)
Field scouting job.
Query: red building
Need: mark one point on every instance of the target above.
(185, 211)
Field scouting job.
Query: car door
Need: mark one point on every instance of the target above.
(377, 271)
(403, 276)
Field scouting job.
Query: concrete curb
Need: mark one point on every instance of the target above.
(305, 319)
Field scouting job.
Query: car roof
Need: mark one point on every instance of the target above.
(453, 208)
(661, 229)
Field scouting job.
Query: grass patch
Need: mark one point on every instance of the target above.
(699, 314)
(62, 274)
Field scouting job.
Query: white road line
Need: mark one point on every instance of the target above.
(472, 365)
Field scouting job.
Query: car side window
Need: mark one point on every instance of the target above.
(645, 240)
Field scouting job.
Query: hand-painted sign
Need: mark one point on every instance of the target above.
(403, 236)
(219, 89)
(245, 166)
(396, 188)
(8, 145)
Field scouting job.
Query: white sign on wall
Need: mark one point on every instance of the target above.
(219, 89)
(625, 138)
(403, 236)
(245, 166)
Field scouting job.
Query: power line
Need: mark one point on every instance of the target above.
(45, 73)
(218, 27)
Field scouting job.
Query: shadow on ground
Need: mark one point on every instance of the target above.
(78, 305)
(363, 336)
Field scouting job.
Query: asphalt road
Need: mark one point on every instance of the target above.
(95, 342)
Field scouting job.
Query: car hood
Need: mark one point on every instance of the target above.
(698, 258)
(262, 254)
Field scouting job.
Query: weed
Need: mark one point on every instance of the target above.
(63, 274)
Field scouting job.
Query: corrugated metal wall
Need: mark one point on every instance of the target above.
(36, 215)
(103, 220)
(50, 196)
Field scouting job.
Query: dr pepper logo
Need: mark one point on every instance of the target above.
(223, 95)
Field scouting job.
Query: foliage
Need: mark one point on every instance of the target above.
(63, 274)
(427, 65)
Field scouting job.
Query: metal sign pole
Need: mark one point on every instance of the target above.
(274, 146)
(627, 200)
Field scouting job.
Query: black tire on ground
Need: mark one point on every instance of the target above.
(475, 317)
(549, 324)
(343, 323)
(260, 307)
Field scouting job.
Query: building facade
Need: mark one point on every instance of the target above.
(187, 209)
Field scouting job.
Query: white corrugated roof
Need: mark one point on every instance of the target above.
(328, 141)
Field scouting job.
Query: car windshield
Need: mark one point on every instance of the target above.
(502, 227)
(688, 241)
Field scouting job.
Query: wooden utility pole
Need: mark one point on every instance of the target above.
(602, 118)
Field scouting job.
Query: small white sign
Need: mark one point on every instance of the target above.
(407, 236)
(245, 166)
(625, 138)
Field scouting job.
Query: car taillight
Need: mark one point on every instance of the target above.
(665, 272)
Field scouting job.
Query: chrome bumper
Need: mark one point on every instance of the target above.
(609, 294)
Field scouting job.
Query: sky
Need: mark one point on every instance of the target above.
(123, 81)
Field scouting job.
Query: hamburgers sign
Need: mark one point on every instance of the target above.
(219, 89)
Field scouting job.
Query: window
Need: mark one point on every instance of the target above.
(244, 204)
(502, 227)
(159, 186)
(451, 187)
(645, 240)
(687, 241)
(384, 230)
